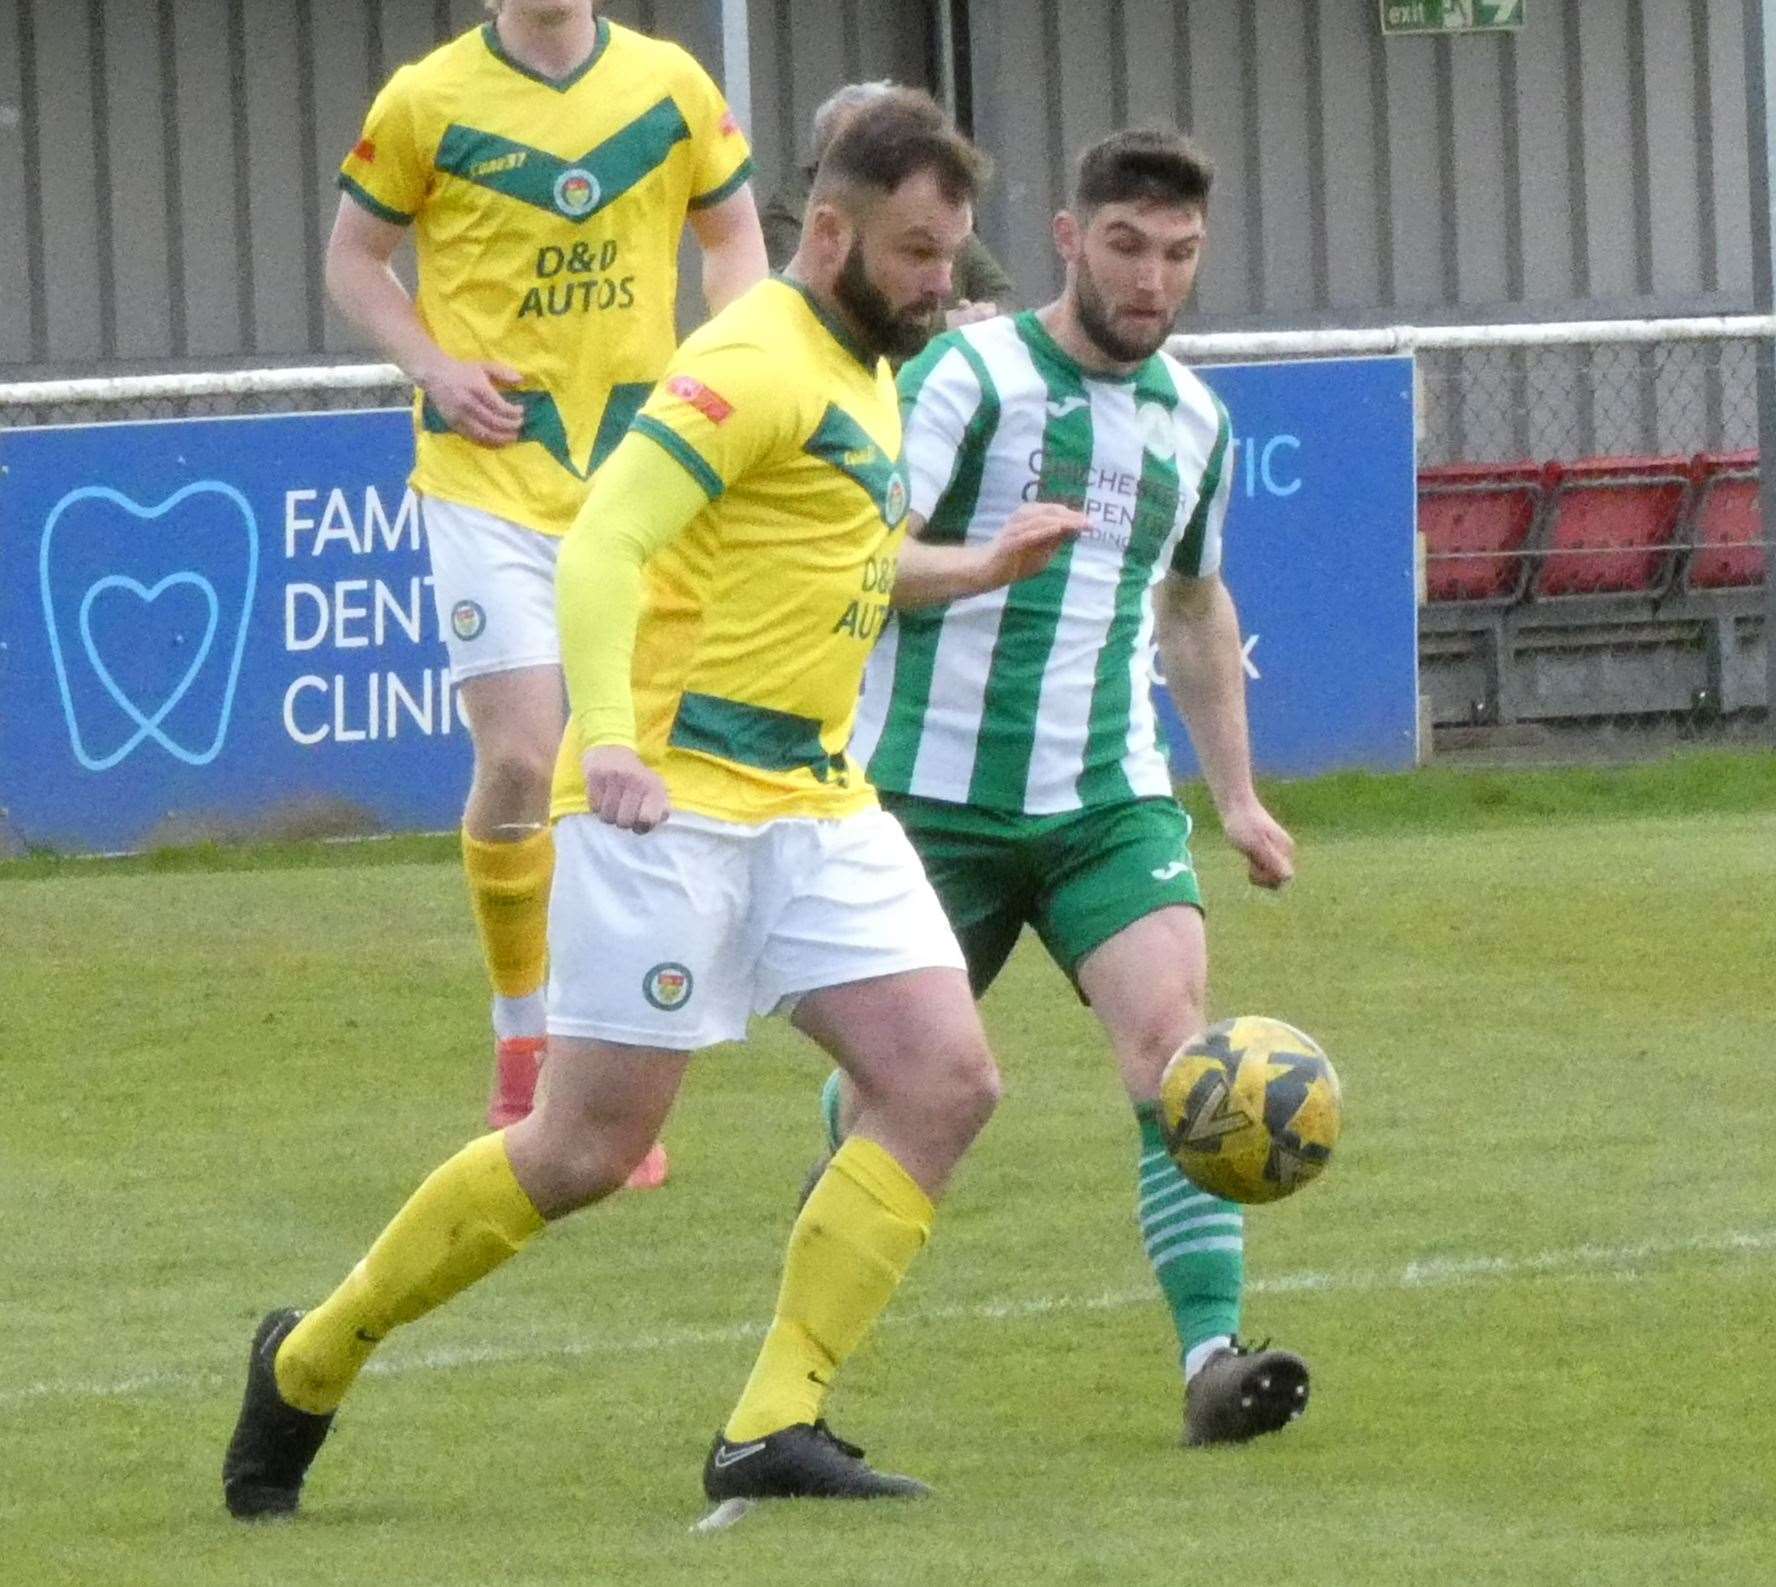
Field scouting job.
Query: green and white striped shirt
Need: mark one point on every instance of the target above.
(1037, 698)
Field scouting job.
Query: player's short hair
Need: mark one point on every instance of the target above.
(1142, 165)
(892, 136)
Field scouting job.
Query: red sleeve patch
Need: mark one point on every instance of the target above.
(714, 407)
(365, 151)
(729, 125)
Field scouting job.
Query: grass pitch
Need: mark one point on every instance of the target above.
(1535, 1285)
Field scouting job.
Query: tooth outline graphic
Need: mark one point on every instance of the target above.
(146, 726)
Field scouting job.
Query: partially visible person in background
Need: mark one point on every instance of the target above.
(981, 288)
(547, 163)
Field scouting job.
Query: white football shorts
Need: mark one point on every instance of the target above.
(673, 938)
(494, 582)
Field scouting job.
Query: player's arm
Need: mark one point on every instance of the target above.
(385, 181)
(941, 392)
(370, 295)
(721, 412)
(733, 245)
(1197, 629)
(723, 213)
(640, 501)
(929, 575)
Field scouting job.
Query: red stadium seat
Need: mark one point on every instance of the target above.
(1728, 523)
(1476, 520)
(1613, 523)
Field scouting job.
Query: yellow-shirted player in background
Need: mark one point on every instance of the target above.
(546, 163)
(735, 559)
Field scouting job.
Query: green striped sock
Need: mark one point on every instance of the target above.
(1195, 1241)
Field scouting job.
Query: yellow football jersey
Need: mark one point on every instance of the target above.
(757, 620)
(547, 216)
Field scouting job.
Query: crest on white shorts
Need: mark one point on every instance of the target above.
(667, 986)
(467, 619)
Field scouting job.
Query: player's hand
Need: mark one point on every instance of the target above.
(1269, 850)
(622, 791)
(967, 313)
(1028, 540)
(469, 397)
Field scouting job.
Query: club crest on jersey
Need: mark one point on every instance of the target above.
(667, 986)
(1158, 432)
(576, 192)
(894, 504)
(467, 620)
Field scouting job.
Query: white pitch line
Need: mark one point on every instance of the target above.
(1619, 1261)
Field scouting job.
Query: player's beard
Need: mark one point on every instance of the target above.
(884, 329)
(1099, 323)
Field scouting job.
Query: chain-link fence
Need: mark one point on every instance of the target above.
(1568, 404)
(1595, 554)
(134, 398)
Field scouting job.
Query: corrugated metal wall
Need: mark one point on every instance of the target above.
(803, 49)
(166, 165)
(1594, 162)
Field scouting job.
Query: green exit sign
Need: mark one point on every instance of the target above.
(1450, 16)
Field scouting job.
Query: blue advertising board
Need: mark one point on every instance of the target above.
(218, 620)
(1319, 555)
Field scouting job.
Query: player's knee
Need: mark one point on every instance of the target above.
(586, 1169)
(516, 774)
(1148, 1046)
(986, 1087)
(1158, 1044)
(946, 1098)
(972, 1092)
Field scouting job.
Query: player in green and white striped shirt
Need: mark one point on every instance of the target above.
(1012, 732)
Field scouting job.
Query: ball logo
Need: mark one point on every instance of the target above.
(667, 987)
(894, 506)
(467, 620)
(1158, 433)
(576, 192)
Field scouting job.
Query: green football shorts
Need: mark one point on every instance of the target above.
(1078, 878)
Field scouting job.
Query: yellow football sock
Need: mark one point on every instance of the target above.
(855, 1238)
(509, 892)
(465, 1220)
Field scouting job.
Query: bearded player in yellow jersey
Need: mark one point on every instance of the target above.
(546, 164)
(720, 854)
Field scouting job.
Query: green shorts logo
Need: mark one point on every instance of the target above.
(667, 987)
(467, 620)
